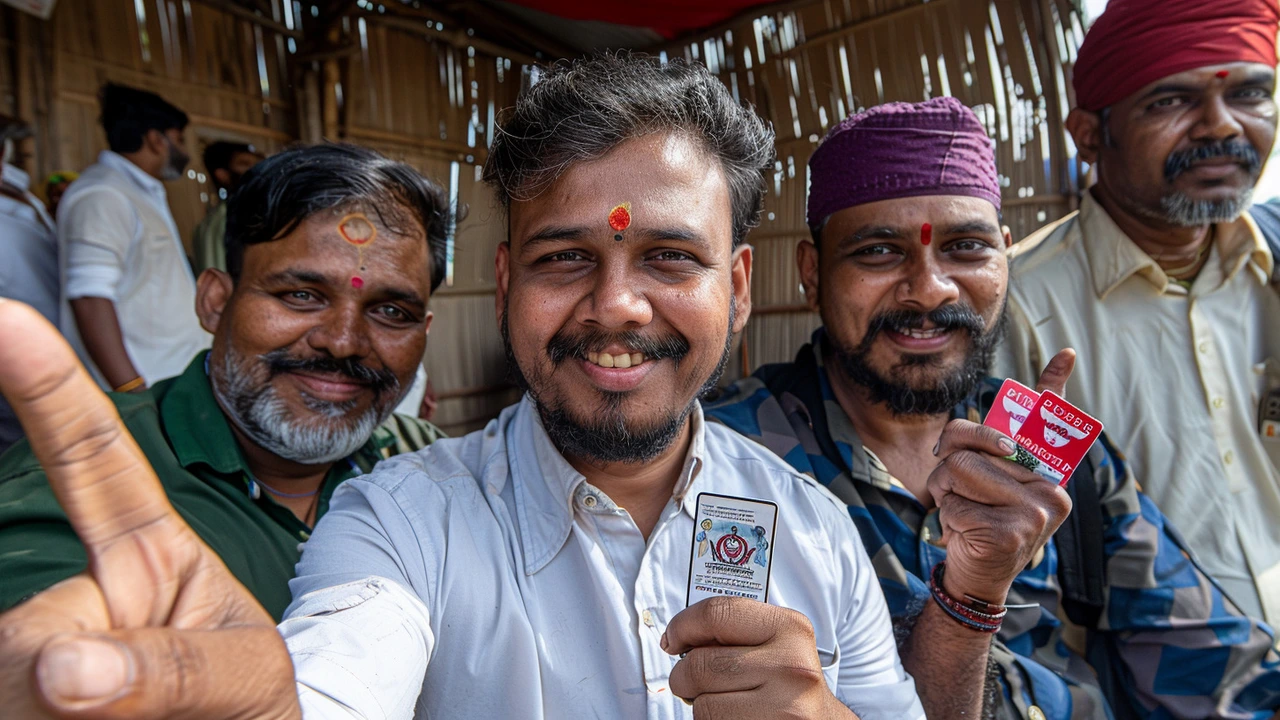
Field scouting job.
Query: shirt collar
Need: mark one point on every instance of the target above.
(15, 176)
(121, 164)
(545, 483)
(1113, 257)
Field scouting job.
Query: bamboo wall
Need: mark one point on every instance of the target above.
(426, 93)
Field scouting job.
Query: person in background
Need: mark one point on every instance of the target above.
(1161, 280)
(226, 163)
(296, 396)
(55, 186)
(29, 270)
(907, 269)
(128, 291)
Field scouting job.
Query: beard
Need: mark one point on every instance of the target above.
(257, 408)
(1179, 210)
(936, 395)
(608, 436)
(177, 162)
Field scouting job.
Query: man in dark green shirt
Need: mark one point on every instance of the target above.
(319, 326)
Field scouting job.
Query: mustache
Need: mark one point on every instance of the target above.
(380, 381)
(956, 316)
(1181, 161)
(564, 345)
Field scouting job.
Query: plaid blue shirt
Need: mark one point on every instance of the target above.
(1176, 645)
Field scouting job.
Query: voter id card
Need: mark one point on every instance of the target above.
(732, 551)
(1052, 435)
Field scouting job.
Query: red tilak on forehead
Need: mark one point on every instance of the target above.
(926, 234)
(1223, 74)
(357, 282)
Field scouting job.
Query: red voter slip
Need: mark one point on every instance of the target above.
(1058, 434)
(1011, 408)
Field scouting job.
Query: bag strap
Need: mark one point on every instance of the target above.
(1082, 561)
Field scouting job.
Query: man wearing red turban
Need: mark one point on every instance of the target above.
(1160, 280)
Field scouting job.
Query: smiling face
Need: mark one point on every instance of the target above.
(1187, 149)
(305, 363)
(615, 339)
(914, 323)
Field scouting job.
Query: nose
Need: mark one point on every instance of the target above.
(343, 331)
(616, 300)
(1217, 123)
(927, 286)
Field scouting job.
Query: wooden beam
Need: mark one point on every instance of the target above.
(458, 38)
(231, 8)
(863, 24)
(717, 30)
(426, 143)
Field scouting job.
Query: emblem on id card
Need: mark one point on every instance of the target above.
(732, 553)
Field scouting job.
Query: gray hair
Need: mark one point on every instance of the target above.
(579, 110)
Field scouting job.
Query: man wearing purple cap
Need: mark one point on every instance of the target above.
(907, 268)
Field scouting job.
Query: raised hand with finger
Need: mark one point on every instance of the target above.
(995, 514)
(156, 627)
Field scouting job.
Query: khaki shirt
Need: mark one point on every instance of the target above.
(1175, 375)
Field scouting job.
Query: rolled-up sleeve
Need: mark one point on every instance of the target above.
(97, 232)
(359, 631)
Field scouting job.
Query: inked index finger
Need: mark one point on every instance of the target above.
(100, 477)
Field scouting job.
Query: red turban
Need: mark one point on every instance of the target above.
(1136, 42)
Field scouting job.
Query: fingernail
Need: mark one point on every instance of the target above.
(1008, 446)
(663, 641)
(84, 670)
(936, 446)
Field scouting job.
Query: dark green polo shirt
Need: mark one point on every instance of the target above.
(188, 440)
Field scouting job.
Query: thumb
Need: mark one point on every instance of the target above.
(158, 673)
(1057, 372)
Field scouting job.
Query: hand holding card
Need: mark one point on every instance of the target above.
(744, 658)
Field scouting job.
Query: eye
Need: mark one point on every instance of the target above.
(393, 313)
(565, 256)
(880, 254)
(300, 296)
(1253, 94)
(672, 256)
(1168, 102)
(969, 245)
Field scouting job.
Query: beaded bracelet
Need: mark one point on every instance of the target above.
(969, 617)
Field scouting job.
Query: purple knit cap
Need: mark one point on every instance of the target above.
(900, 150)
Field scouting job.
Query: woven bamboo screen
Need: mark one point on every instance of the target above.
(227, 73)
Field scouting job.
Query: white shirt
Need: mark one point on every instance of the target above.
(1176, 375)
(483, 577)
(29, 270)
(118, 241)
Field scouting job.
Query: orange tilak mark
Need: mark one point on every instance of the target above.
(620, 217)
(926, 234)
(356, 229)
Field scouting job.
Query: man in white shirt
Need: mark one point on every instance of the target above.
(128, 286)
(537, 568)
(29, 272)
(1160, 281)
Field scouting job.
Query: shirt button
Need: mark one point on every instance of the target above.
(647, 617)
(1204, 347)
(590, 501)
(1219, 402)
(1035, 713)
(1229, 457)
